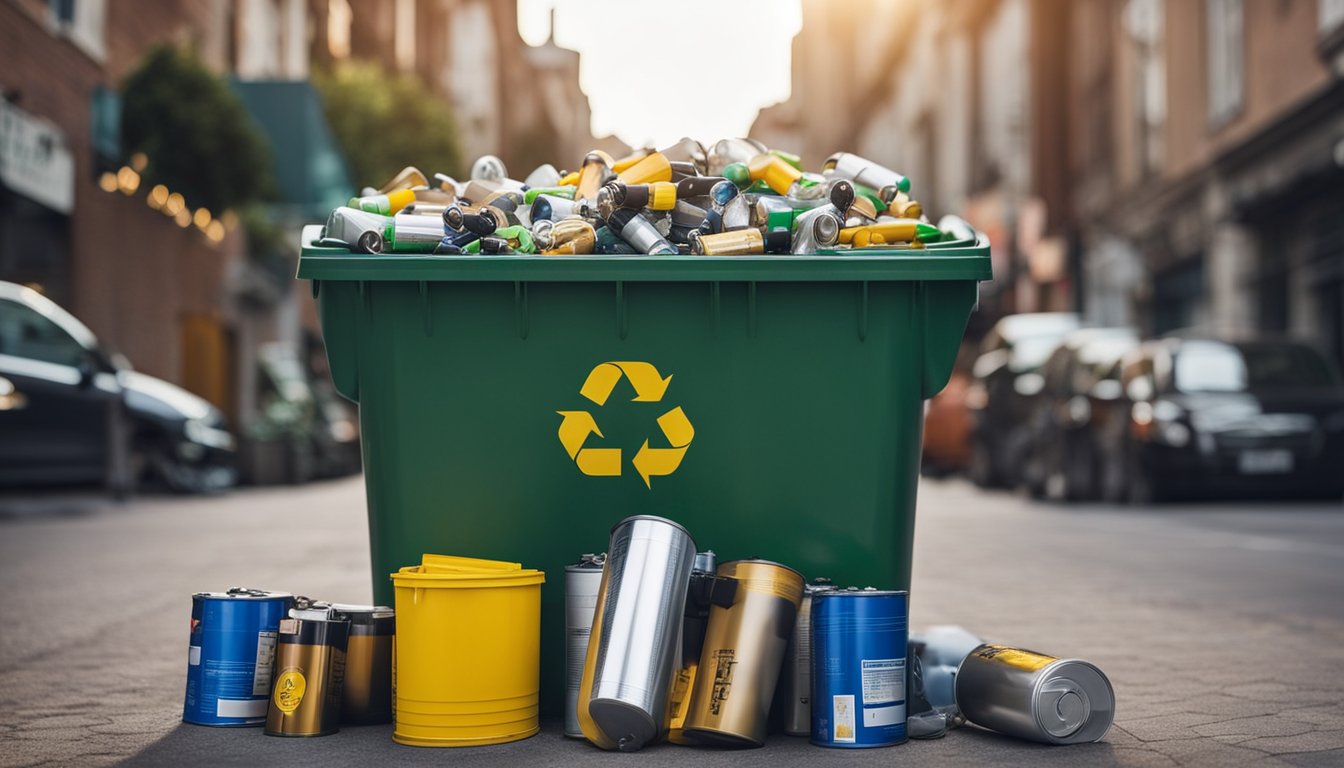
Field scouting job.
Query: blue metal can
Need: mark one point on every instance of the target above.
(859, 641)
(230, 653)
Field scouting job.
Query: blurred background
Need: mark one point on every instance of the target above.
(1162, 181)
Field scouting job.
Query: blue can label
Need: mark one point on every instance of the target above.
(883, 692)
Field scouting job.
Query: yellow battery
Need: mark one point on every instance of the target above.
(468, 653)
(629, 160)
(899, 231)
(653, 167)
(777, 174)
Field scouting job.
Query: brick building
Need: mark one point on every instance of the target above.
(1161, 163)
(150, 288)
(1208, 158)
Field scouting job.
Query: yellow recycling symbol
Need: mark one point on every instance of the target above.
(649, 386)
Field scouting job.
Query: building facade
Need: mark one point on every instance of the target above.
(1210, 165)
(1158, 163)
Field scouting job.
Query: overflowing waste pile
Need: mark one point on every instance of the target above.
(662, 642)
(737, 198)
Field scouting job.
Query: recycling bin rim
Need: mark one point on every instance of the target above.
(965, 263)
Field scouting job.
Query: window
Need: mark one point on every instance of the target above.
(81, 21)
(1332, 16)
(1224, 59)
(1145, 25)
(26, 333)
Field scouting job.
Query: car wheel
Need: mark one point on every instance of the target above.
(193, 478)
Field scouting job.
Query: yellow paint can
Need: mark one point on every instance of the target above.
(468, 652)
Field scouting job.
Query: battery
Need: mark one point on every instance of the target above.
(309, 671)
(582, 581)
(229, 655)
(859, 644)
(1035, 696)
(366, 697)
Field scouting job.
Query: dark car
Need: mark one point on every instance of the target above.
(71, 413)
(1006, 378)
(1068, 415)
(1219, 417)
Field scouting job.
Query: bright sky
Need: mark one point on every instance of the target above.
(655, 72)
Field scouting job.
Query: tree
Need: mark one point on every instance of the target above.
(197, 134)
(384, 122)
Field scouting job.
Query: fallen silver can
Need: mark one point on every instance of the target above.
(1034, 696)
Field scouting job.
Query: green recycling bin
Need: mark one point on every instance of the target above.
(516, 407)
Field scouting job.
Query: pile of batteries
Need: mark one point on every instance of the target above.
(301, 667)
(664, 642)
(736, 198)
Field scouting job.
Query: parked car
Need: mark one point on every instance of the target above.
(1006, 377)
(1066, 418)
(72, 413)
(1216, 416)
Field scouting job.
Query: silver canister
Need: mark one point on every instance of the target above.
(582, 581)
(635, 642)
(1034, 696)
(795, 680)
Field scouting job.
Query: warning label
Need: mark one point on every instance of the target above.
(883, 681)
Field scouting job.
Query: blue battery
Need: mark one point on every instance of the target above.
(859, 641)
(229, 656)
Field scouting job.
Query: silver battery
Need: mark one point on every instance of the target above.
(1034, 696)
(582, 581)
(796, 678)
(634, 647)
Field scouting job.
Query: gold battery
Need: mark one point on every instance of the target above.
(565, 237)
(366, 697)
(309, 673)
(594, 173)
(739, 242)
(745, 642)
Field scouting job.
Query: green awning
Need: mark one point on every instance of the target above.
(310, 170)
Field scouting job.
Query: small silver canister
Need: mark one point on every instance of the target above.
(795, 680)
(635, 643)
(1034, 696)
(582, 581)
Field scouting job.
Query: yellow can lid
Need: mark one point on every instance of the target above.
(458, 561)
(444, 578)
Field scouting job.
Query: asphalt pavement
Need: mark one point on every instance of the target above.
(1220, 627)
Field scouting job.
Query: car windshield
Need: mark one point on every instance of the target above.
(1031, 352)
(1212, 366)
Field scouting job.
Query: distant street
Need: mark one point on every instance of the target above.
(1219, 627)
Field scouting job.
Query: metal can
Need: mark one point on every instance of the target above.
(582, 581)
(229, 655)
(309, 672)
(859, 639)
(795, 680)
(1034, 696)
(633, 649)
(748, 633)
(366, 697)
(695, 619)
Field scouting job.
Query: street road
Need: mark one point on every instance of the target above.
(1220, 627)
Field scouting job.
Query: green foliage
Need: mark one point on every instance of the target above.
(384, 122)
(196, 133)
